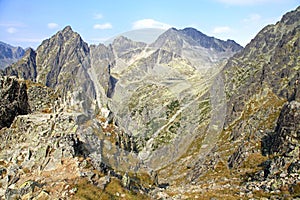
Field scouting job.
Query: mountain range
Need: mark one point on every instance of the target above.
(187, 116)
(9, 54)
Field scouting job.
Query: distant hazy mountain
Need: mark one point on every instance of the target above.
(9, 54)
(199, 48)
(146, 35)
(194, 37)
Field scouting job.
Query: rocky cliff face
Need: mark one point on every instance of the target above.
(286, 137)
(14, 100)
(264, 64)
(9, 54)
(280, 173)
(266, 74)
(62, 63)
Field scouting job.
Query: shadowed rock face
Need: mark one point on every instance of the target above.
(287, 132)
(13, 100)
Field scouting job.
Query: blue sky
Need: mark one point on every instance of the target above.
(27, 22)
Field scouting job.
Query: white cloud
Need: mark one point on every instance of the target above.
(149, 23)
(52, 25)
(253, 18)
(249, 2)
(11, 30)
(102, 26)
(221, 29)
(98, 16)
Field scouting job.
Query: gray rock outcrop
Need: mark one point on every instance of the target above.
(13, 100)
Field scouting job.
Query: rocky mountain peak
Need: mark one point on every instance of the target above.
(170, 40)
(192, 32)
(65, 48)
(121, 39)
(291, 17)
(196, 38)
(127, 43)
(124, 46)
(67, 29)
(67, 33)
(211, 42)
(30, 52)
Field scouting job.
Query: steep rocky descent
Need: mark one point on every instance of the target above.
(13, 100)
(271, 61)
(280, 173)
(9, 54)
(287, 132)
(259, 80)
(42, 154)
(55, 139)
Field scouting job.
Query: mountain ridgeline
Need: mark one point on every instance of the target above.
(9, 54)
(67, 64)
(186, 117)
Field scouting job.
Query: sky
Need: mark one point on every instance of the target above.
(27, 23)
